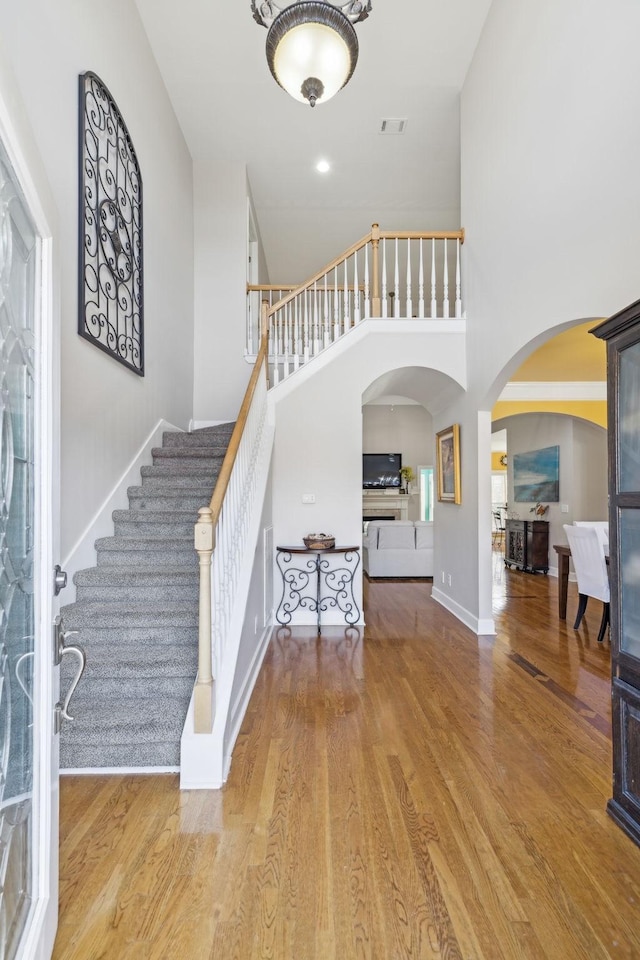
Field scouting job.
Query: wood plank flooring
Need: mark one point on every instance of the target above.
(411, 793)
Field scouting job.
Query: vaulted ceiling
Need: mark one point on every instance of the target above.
(414, 55)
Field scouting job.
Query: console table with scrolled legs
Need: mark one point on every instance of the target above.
(323, 581)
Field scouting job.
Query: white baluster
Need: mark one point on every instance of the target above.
(421, 284)
(346, 315)
(396, 286)
(273, 339)
(296, 335)
(458, 296)
(287, 335)
(409, 308)
(325, 324)
(336, 306)
(367, 302)
(356, 290)
(384, 278)
(316, 320)
(249, 345)
(434, 303)
(305, 353)
(445, 279)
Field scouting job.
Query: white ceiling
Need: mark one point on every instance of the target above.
(414, 55)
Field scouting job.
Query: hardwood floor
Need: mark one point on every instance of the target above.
(416, 793)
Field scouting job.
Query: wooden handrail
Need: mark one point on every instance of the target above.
(268, 287)
(224, 476)
(420, 235)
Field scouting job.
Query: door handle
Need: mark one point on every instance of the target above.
(62, 649)
(59, 579)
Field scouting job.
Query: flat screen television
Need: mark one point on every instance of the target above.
(381, 470)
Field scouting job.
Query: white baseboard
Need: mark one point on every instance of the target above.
(83, 552)
(481, 627)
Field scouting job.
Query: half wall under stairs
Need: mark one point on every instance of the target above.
(136, 614)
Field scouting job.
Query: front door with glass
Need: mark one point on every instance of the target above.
(28, 773)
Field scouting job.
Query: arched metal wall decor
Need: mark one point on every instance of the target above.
(110, 312)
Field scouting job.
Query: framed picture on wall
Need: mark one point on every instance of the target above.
(536, 476)
(448, 464)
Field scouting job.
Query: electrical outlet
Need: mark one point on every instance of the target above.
(308, 498)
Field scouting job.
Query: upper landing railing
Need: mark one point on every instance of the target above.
(394, 275)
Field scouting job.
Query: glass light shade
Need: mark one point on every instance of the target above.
(312, 50)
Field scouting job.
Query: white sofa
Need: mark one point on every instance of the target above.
(398, 548)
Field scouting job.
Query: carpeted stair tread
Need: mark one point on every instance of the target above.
(105, 687)
(206, 436)
(95, 575)
(154, 525)
(190, 453)
(202, 470)
(163, 483)
(141, 543)
(126, 614)
(158, 662)
(137, 754)
(143, 500)
(125, 716)
(157, 553)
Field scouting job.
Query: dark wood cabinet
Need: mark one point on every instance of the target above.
(527, 545)
(622, 334)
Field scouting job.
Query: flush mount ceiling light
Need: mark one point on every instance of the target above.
(312, 47)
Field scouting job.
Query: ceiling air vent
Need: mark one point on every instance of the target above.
(393, 127)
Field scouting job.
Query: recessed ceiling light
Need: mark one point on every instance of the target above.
(323, 166)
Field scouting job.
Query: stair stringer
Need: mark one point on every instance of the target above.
(205, 758)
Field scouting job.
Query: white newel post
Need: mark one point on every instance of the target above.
(204, 691)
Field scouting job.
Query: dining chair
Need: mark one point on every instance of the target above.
(591, 570)
(498, 528)
(601, 527)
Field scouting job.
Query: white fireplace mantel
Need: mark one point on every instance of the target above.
(378, 503)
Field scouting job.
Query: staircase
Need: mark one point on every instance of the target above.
(136, 615)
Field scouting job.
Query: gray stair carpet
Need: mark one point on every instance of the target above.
(136, 614)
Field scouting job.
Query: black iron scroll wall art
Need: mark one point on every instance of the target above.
(110, 312)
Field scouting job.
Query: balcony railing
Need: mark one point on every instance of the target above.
(383, 275)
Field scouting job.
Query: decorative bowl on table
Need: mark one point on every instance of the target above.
(319, 541)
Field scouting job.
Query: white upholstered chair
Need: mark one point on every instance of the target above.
(591, 570)
(600, 526)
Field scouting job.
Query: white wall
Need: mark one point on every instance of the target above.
(400, 428)
(221, 374)
(106, 409)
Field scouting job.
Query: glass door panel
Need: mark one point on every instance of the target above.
(18, 278)
(629, 419)
(629, 546)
